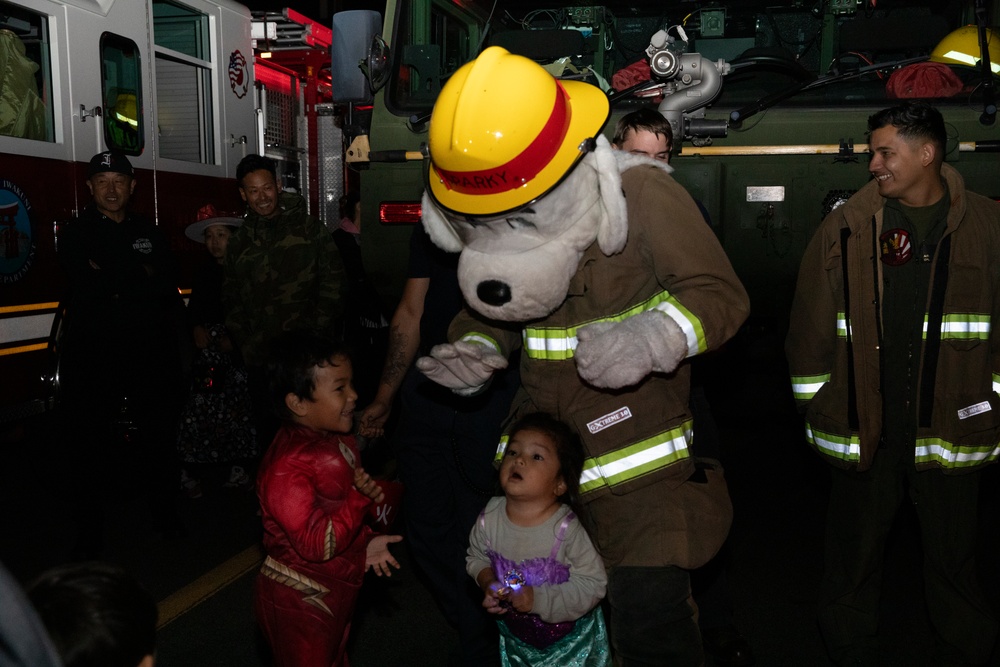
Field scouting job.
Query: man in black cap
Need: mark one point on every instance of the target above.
(120, 367)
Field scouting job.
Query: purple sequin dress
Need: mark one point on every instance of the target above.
(579, 643)
(531, 628)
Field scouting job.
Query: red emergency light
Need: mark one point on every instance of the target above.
(399, 212)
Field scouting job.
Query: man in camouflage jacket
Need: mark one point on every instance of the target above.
(282, 268)
(282, 273)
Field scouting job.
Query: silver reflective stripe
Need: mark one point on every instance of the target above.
(950, 455)
(501, 448)
(689, 324)
(996, 383)
(841, 325)
(804, 387)
(481, 339)
(636, 460)
(837, 446)
(963, 326)
(557, 343)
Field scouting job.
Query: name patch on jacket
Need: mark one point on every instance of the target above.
(895, 248)
(976, 409)
(610, 419)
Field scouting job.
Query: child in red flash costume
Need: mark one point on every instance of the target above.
(315, 499)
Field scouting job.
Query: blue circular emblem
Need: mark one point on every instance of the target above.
(17, 247)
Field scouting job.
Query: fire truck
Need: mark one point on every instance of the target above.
(186, 89)
(768, 101)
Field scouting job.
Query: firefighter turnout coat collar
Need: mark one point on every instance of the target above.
(834, 338)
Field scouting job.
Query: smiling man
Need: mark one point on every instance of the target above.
(120, 369)
(282, 273)
(892, 352)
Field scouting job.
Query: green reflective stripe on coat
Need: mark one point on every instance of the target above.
(481, 339)
(841, 325)
(628, 463)
(948, 455)
(804, 387)
(838, 446)
(558, 344)
(501, 448)
(963, 326)
(549, 344)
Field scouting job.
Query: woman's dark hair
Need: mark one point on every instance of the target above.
(568, 449)
(291, 368)
(96, 614)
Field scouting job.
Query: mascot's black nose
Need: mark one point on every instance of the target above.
(493, 292)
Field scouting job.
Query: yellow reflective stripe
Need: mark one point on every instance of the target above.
(804, 387)
(963, 326)
(501, 448)
(640, 458)
(837, 446)
(689, 324)
(949, 455)
(481, 339)
(557, 343)
(549, 344)
(841, 325)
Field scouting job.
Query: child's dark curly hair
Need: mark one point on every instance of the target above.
(568, 448)
(292, 365)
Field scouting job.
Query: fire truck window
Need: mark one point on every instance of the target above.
(185, 121)
(436, 39)
(25, 75)
(122, 92)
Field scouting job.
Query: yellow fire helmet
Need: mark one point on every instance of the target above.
(504, 132)
(961, 47)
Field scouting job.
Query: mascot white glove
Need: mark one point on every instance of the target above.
(612, 355)
(463, 367)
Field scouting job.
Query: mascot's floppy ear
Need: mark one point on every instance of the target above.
(612, 229)
(438, 228)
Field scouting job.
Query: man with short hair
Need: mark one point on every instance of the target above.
(644, 132)
(121, 379)
(891, 350)
(282, 273)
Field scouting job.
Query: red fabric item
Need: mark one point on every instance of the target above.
(635, 73)
(923, 80)
(384, 514)
(306, 489)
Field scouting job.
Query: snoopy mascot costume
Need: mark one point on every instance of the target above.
(600, 267)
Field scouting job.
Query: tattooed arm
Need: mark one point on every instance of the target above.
(404, 340)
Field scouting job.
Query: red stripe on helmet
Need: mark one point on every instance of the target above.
(523, 167)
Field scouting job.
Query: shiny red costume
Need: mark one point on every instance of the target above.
(315, 537)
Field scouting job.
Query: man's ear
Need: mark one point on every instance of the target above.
(297, 405)
(243, 193)
(928, 153)
(131, 187)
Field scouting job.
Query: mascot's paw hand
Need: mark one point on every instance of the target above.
(463, 367)
(614, 355)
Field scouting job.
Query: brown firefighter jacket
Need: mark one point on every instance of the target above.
(834, 360)
(636, 439)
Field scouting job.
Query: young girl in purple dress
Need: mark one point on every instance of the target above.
(532, 558)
